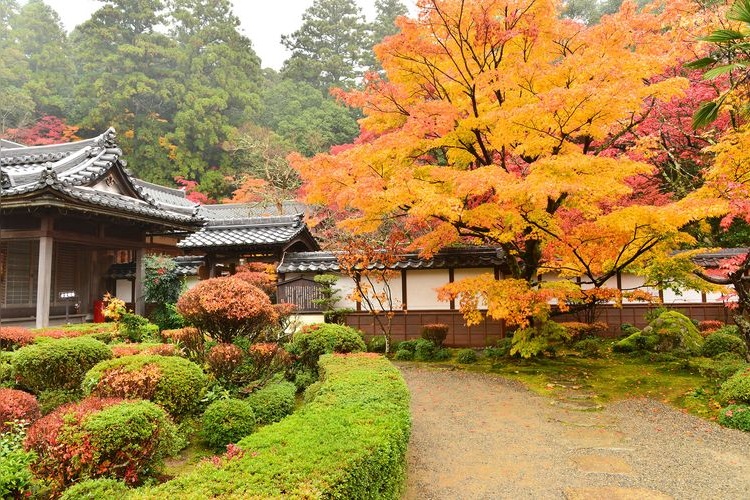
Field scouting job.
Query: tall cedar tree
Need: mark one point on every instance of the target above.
(329, 49)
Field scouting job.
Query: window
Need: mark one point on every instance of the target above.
(18, 269)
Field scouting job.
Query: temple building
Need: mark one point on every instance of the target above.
(75, 223)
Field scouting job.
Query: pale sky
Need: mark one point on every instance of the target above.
(262, 21)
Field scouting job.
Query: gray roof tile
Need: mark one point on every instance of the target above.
(245, 233)
(464, 257)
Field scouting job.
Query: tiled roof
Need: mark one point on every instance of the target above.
(90, 175)
(255, 231)
(713, 259)
(233, 211)
(73, 168)
(465, 257)
(5, 143)
(186, 266)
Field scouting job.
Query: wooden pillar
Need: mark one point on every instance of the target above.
(403, 291)
(44, 275)
(139, 301)
(451, 279)
(211, 264)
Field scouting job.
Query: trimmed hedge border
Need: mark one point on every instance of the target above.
(348, 442)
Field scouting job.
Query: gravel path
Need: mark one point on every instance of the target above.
(478, 436)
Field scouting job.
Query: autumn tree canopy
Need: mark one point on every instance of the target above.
(494, 125)
(727, 181)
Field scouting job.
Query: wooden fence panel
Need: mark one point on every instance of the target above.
(408, 325)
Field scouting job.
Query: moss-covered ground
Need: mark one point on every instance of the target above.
(569, 376)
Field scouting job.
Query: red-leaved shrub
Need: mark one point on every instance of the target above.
(17, 405)
(100, 438)
(189, 339)
(60, 458)
(132, 384)
(268, 358)
(226, 308)
(121, 350)
(579, 330)
(223, 359)
(15, 336)
(172, 382)
(257, 274)
(709, 326)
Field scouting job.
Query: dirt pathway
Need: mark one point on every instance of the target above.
(477, 436)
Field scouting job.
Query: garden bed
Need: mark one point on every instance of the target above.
(349, 441)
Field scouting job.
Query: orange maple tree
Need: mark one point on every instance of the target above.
(491, 126)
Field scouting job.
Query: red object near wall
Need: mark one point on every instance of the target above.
(99, 311)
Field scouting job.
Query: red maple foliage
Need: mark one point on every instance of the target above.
(47, 130)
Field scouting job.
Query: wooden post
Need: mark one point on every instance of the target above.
(403, 290)
(139, 301)
(44, 275)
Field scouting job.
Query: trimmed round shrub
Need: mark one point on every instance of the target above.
(96, 489)
(101, 438)
(717, 343)
(675, 331)
(225, 308)
(736, 417)
(467, 356)
(58, 364)
(174, 383)
(273, 402)
(325, 338)
(718, 369)
(227, 421)
(17, 405)
(265, 360)
(730, 330)
(421, 350)
(404, 355)
(435, 333)
(736, 388)
(223, 360)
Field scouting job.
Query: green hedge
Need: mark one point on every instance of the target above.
(57, 364)
(348, 442)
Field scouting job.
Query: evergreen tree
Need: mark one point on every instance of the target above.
(221, 76)
(40, 37)
(330, 48)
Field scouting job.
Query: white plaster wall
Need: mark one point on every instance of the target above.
(124, 290)
(421, 288)
(346, 287)
(460, 274)
(687, 296)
